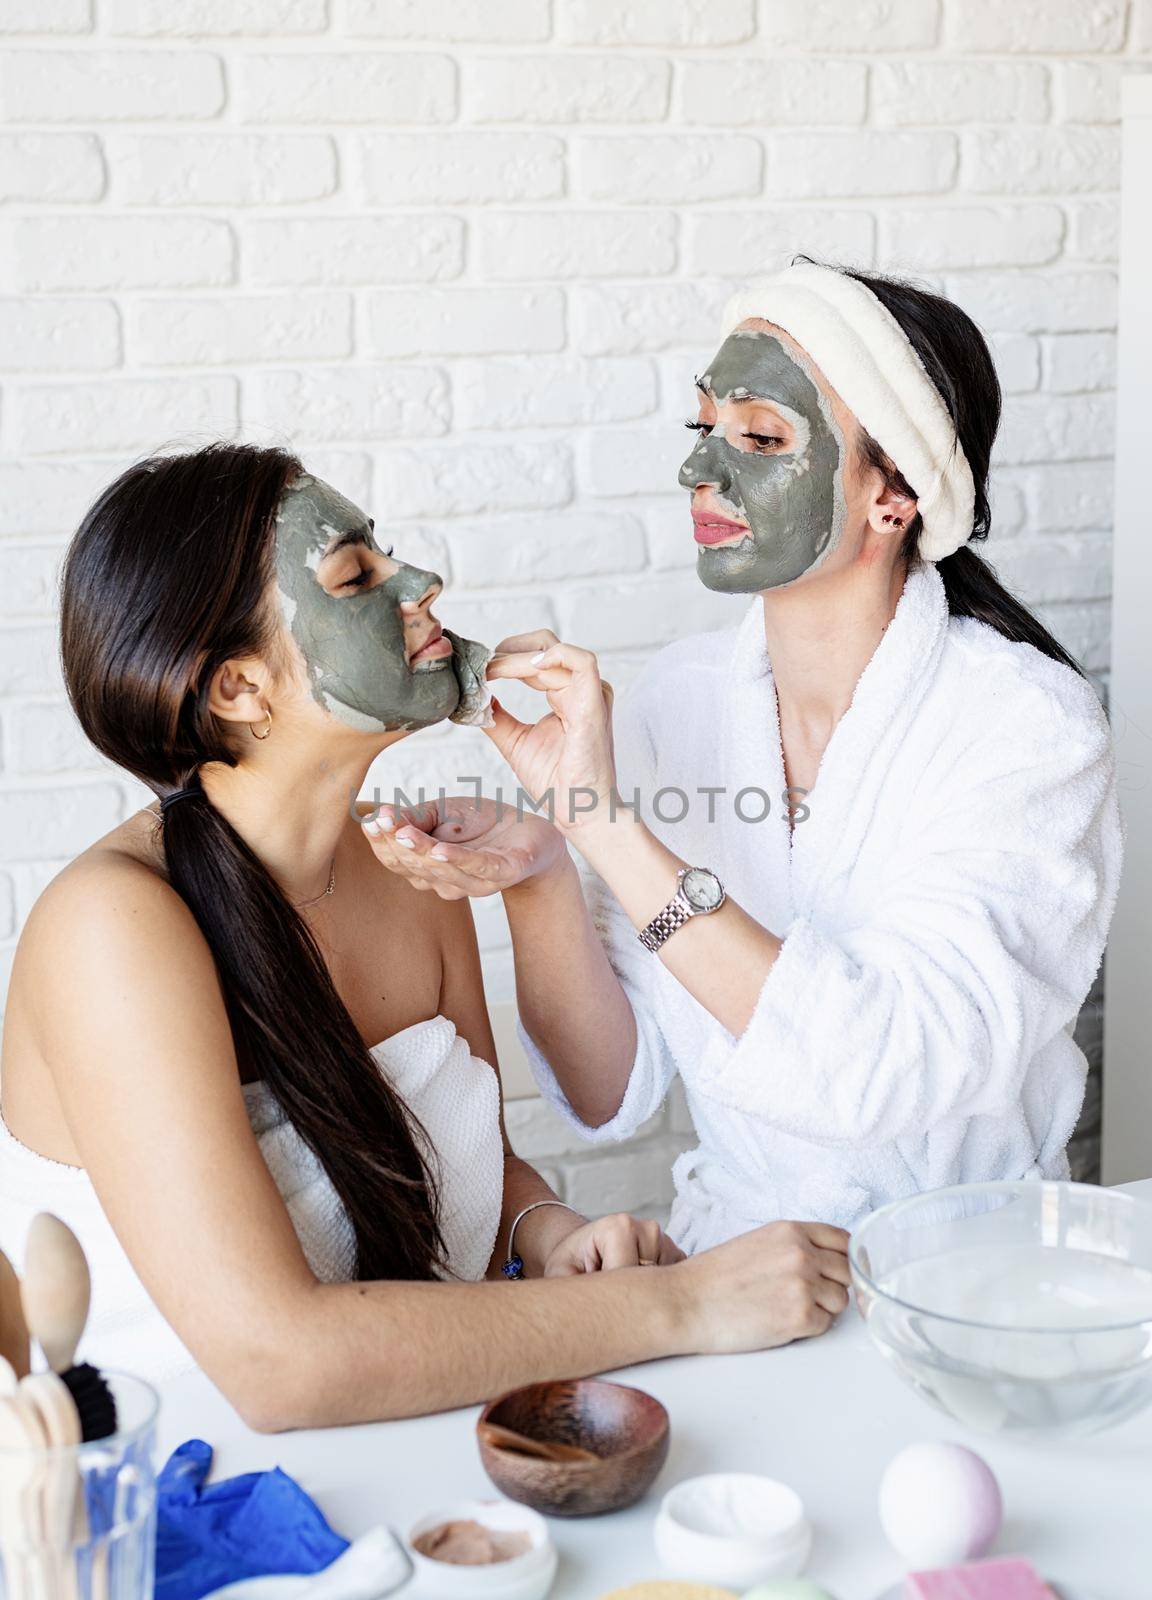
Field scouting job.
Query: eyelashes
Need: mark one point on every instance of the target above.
(365, 573)
(765, 443)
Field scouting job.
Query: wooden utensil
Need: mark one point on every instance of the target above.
(14, 1345)
(22, 1442)
(56, 1290)
(542, 1449)
(63, 1515)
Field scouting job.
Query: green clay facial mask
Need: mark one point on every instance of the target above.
(353, 639)
(790, 497)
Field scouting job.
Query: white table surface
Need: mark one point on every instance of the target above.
(825, 1416)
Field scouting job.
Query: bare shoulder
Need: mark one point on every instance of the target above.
(111, 961)
(113, 894)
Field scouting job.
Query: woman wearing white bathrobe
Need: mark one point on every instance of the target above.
(870, 992)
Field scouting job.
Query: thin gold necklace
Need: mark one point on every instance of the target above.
(299, 905)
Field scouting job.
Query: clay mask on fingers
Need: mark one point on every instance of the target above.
(788, 492)
(366, 658)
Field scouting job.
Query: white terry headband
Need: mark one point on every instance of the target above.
(867, 358)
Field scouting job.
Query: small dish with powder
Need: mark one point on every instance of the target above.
(470, 1544)
(733, 1528)
(490, 1549)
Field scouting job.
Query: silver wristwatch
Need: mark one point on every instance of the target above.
(698, 893)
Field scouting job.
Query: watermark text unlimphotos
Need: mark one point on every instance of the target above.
(669, 804)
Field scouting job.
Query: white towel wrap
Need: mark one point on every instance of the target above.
(868, 359)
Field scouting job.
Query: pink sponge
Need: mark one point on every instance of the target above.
(1009, 1578)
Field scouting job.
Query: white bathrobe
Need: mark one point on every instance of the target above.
(943, 909)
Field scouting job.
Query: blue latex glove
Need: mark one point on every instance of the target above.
(246, 1527)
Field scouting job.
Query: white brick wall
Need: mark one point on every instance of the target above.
(467, 254)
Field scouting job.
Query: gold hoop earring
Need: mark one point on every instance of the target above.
(267, 730)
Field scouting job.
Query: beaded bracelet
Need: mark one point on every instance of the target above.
(513, 1268)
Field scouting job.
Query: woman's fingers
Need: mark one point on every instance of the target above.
(460, 871)
(833, 1297)
(506, 731)
(540, 639)
(619, 1243)
(826, 1236)
(552, 658)
(433, 858)
(525, 668)
(561, 666)
(834, 1265)
(670, 1252)
(656, 1249)
(488, 866)
(385, 819)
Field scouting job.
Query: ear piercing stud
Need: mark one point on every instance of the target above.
(897, 522)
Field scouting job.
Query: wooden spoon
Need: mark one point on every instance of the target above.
(491, 1433)
(14, 1345)
(22, 1441)
(63, 1517)
(56, 1289)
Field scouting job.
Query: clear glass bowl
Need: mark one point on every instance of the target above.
(1021, 1308)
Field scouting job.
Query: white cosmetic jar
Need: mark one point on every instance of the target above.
(733, 1527)
(526, 1577)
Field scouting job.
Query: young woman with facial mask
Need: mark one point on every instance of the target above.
(192, 1076)
(868, 881)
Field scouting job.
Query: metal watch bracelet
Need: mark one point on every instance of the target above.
(664, 925)
(686, 903)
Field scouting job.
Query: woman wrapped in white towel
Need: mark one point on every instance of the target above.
(867, 880)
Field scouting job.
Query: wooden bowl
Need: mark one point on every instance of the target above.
(625, 1430)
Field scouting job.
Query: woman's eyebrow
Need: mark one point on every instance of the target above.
(739, 395)
(341, 540)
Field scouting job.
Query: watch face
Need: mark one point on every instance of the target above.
(702, 889)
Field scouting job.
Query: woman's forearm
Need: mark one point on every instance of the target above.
(366, 1352)
(570, 1001)
(722, 959)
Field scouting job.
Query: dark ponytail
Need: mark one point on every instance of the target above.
(956, 358)
(167, 578)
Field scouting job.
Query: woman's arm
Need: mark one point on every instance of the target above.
(554, 1240)
(142, 1055)
(722, 959)
(982, 943)
(462, 1002)
(571, 1003)
(580, 979)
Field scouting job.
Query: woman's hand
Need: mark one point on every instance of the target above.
(786, 1281)
(464, 847)
(565, 759)
(611, 1242)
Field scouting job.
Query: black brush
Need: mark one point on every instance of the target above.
(93, 1400)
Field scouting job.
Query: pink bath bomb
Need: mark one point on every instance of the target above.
(939, 1504)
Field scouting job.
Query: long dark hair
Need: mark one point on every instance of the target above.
(167, 578)
(957, 359)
